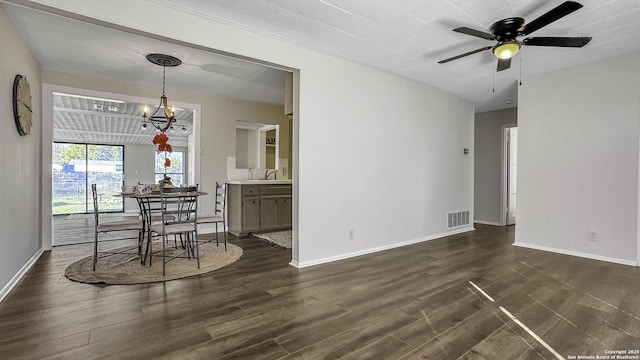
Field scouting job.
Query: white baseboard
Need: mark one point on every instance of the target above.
(329, 259)
(18, 276)
(578, 254)
(487, 223)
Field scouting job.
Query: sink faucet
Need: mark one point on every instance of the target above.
(268, 173)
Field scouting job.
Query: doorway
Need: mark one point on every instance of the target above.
(509, 174)
(135, 171)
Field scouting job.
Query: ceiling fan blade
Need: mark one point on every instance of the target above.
(503, 64)
(476, 33)
(554, 14)
(465, 54)
(557, 41)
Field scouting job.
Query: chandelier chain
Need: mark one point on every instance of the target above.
(164, 72)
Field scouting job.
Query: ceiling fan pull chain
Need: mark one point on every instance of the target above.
(520, 70)
(494, 80)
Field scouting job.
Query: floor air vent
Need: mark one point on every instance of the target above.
(457, 219)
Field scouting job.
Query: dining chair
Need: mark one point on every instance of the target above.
(113, 226)
(179, 215)
(150, 209)
(218, 217)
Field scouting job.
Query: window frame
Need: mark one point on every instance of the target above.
(159, 175)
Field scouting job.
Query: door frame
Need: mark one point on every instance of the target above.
(504, 157)
(638, 216)
(47, 145)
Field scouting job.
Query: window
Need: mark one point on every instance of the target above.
(175, 171)
(76, 166)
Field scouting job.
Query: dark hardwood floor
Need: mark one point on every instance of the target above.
(79, 228)
(422, 301)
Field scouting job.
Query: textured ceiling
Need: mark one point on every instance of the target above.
(402, 37)
(71, 46)
(409, 37)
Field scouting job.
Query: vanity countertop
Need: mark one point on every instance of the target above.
(260, 182)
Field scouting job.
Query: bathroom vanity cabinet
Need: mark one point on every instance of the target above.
(258, 206)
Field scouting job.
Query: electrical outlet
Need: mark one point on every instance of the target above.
(351, 235)
(592, 235)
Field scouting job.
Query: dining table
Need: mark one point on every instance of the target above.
(149, 203)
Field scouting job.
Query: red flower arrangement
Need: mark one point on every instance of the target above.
(162, 141)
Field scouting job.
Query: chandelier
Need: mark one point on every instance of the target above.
(163, 117)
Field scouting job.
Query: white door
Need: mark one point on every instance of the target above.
(511, 175)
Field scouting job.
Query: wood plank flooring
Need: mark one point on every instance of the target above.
(79, 228)
(415, 302)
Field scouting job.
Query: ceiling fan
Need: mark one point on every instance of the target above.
(506, 32)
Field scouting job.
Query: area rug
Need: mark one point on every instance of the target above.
(280, 239)
(125, 269)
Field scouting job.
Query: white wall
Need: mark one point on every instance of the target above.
(488, 163)
(391, 172)
(20, 175)
(578, 159)
(139, 164)
(138, 168)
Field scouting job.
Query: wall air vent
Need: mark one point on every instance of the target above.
(457, 219)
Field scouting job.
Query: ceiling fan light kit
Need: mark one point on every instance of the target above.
(507, 31)
(506, 50)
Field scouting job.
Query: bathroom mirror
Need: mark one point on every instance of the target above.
(257, 145)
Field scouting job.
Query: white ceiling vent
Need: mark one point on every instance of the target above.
(457, 219)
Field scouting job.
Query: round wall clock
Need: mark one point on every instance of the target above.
(22, 104)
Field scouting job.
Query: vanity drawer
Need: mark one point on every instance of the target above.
(275, 190)
(250, 190)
